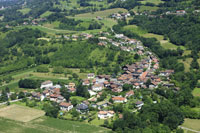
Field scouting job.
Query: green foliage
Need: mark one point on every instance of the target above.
(43, 69)
(29, 83)
(51, 110)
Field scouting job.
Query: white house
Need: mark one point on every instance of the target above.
(46, 84)
(65, 106)
(119, 35)
(97, 87)
(139, 104)
(105, 114)
(119, 99)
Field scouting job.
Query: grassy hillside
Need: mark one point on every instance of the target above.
(192, 124)
(48, 125)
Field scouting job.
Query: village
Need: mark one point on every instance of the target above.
(105, 90)
(108, 91)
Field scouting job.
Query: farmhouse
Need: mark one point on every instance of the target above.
(65, 106)
(46, 84)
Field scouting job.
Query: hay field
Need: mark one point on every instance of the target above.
(20, 113)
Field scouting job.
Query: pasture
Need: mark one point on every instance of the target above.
(144, 8)
(20, 113)
(196, 92)
(192, 124)
(156, 2)
(186, 63)
(104, 13)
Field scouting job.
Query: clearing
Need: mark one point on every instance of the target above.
(156, 2)
(196, 92)
(144, 8)
(20, 113)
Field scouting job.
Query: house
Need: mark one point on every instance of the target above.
(105, 114)
(65, 106)
(86, 82)
(97, 87)
(72, 90)
(130, 93)
(71, 85)
(117, 90)
(102, 104)
(119, 35)
(139, 104)
(119, 99)
(92, 93)
(46, 84)
(82, 108)
(36, 95)
(60, 99)
(53, 97)
(90, 76)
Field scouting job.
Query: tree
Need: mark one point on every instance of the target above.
(21, 95)
(148, 82)
(82, 91)
(42, 69)
(13, 96)
(136, 56)
(51, 110)
(4, 96)
(74, 113)
(127, 87)
(58, 70)
(65, 93)
(74, 75)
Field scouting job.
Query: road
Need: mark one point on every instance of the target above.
(189, 129)
(12, 101)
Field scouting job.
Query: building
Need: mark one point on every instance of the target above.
(105, 114)
(65, 106)
(119, 99)
(46, 84)
(97, 87)
(82, 108)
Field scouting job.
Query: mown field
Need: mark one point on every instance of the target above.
(192, 124)
(48, 125)
(156, 2)
(20, 113)
(144, 8)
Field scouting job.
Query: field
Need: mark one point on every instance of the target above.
(104, 13)
(192, 124)
(46, 14)
(48, 125)
(196, 92)
(186, 63)
(156, 2)
(20, 113)
(25, 10)
(144, 8)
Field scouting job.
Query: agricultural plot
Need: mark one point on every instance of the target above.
(20, 113)
(144, 8)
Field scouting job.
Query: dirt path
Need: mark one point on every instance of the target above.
(189, 129)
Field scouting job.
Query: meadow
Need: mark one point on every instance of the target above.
(48, 125)
(192, 124)
(156, 2)
(20, 113)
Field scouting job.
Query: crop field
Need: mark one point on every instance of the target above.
(20, 113)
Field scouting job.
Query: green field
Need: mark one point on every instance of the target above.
(144, 8)
(192, 124)
(186, 63)
(48, 125)
(196, 92)
(25, 10)
(104, 13)
(135, 29)
(156, 2)
(46, 14)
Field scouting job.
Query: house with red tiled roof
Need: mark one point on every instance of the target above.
(105, 114)
(119, 99)
(130, 93)
(65, 106)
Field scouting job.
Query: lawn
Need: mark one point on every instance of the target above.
(192, 124)
(196, 92)
(80, 99)
(20, 113)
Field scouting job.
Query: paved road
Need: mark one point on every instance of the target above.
(12, 101)
(189, 129)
